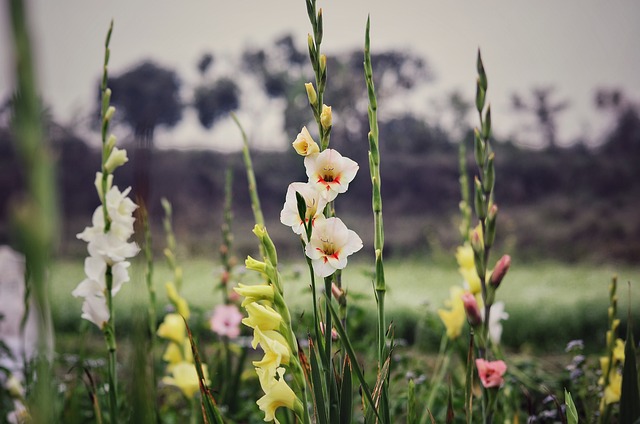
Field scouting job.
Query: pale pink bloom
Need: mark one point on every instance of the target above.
(289, 215)
(491, 372)
(226, 321)
(331, 242)
(330, 173)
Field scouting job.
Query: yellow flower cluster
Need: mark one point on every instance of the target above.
(614, 381)
(268, 327)
(178, 354)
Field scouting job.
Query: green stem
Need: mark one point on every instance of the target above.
(110, 338)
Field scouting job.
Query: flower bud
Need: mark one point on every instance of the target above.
(471, 308)
(479, 147)
(255, 265)
(486, 125)
(480, 199)
(323, 64)
(325, 117)
(117, 158)
(489, 174)
(480, 95)
(311, 94)
(111, 142)
(500, 270)
(304, 145)
(109, 114)
(490, 234)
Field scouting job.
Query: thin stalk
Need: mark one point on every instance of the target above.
(36, 217)
(376, 202)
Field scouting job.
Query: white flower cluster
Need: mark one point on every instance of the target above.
(108, 251)
(329, 175)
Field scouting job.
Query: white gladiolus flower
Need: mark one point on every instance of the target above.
(331, 242)
(497, 315)
(330, 173)
(95, 309)
(95, 269)
(315, 206)
(111, 249)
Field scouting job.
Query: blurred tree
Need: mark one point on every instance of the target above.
(214, 100)
(205, 63)
(544, 110)
(147, 96)
(624, 139)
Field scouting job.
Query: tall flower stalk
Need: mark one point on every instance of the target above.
(106, 267)
(482, 240)
(376, 202)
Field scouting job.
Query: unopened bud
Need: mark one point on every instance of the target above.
(486, 125)
(489, 174)
(326, 117)
(337, 292)
(323, 64)
(479, 147)
(111, 142)
(311, 94)
(500, 270)
(480, 93)
(255, 265)
(490, 234)
(471, 308)
(480, 200)
(109, 114)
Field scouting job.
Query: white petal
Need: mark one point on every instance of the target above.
(322, 268)
(87, 288)
(95, 309)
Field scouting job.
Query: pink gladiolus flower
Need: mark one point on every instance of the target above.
(491, 372)
(226, 321)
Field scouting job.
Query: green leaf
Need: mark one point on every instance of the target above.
(572, 412)
(366, 392)
(629, 397)
(316, 383)
(210, 412)
(346, 393)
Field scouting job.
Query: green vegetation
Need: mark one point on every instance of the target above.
(549, 303)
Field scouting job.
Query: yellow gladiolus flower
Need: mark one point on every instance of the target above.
(185, 377)
(613, 390)
(173, 354)
(454, 318)
(264, 317)
(173, 328)
(178, 301)
(277, 394)
(465, 258)
(275, 347)
(618, 351)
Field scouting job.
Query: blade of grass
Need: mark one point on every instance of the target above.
(210, 412)
(352, 356)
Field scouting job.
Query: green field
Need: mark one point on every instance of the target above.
(549, 303)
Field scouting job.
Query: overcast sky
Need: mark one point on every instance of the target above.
(574, 45)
